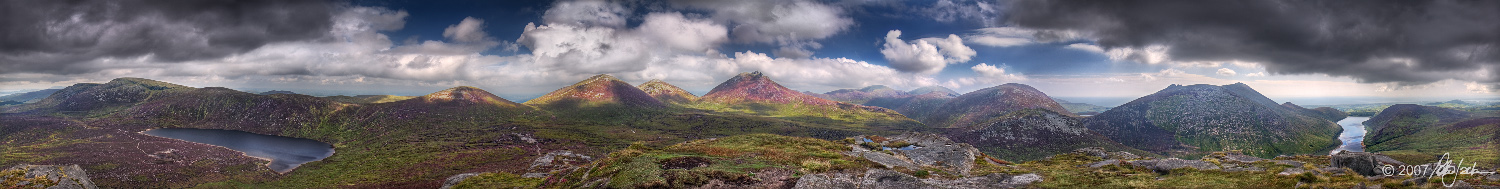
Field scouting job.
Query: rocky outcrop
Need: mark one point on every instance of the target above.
(455, 179)
(1363, 163)
(45, 176)
(1167, 165)
(882, 178)
(554, 161)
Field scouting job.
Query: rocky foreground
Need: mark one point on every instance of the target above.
(914, 160)
(45, 176)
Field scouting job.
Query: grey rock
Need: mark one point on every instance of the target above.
(455, 179)
(1024, 179)
(1104, 163)
(1242, 158)
(1289, 162)
(534, 175)
(881, 178)
(889, 161)
(1493, 177)
(1459, 185)
(1414, 181)
(1093, 151)
(958, 158)
(1166, 165)
(1246, 169)
(65, 177)
(1291, 171)
(1335, 170)
(1123, 155)
(1361, 162)
(827, 180)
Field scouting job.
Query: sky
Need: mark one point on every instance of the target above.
(1381, 50)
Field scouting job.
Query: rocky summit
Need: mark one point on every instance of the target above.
(860, 96)
(1032, 134)
(666, 92)
(599, 90)
(755, 87)
(46, 176)
(980, 106)
(1195, 119)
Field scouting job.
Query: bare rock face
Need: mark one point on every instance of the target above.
(46, 176)
(1166, 165)
(1363, 163)
(455, 179)
(556, 160)
(882, 178)
(931, 150)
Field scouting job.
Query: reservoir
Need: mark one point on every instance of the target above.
(285, 153)
(1353, 137)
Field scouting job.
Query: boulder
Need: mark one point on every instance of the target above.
(882, 178)
(1291, 171)
(1104, 163)
(1289, 162)
(889, 161)
(827, 180)
(1363, 163)
(1093, 151)
(455, 179)
(47, 176)
(957, 158)
(1166, 165)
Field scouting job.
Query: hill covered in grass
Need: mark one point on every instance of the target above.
(1196, 119)
(1417, 133)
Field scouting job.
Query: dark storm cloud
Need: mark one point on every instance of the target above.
(1368, 40)
(54, 36)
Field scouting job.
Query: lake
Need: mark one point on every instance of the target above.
(1353, 135)
(285, 153)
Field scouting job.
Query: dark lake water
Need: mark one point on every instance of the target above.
(1353, 135)
(285, 153)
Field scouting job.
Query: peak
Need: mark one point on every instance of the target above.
(656, 81)
(875, 87)
(604, 76)
(465, 94)
(464, 88)
(148, 83)
(754, 74)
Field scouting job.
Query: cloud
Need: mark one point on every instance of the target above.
(791, 24)
(918, 57)
(983, 12)
(1016, 36)
(1086, 47)
(1405, 42)
(58, 36)
(468, 30)
(1225, 72)
(953, 48)
(680, 33)
(1256, 74)
(587, 13)
(988, 70)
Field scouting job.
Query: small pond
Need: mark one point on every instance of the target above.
(285, 153)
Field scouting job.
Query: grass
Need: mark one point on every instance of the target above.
(729, 159)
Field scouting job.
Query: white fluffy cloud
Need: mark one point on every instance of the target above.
(917, 57)
(468, 30)
(580, 49)
(1086, 47)
(953, 48)
(673, 30)
(791, 24)
(1225, 72)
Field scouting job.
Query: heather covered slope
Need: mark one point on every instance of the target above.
(29, 97)
(1189, 120)
(367, 99)
(1081, 108)
(915, 107)
(596, 91)
(860, 96)
(1415, 133)
(95, 99)
(666, 92)
(981, 105)
(1032, 134)
(929, 89)
(755, 94)
(1327, 113)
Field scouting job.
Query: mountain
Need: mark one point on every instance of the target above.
(755, 94)
(915, 107)
(599, 90)
(860, 96)
(463, 95)
(1405, 119)
(666, 92)
(1081, 108)
(1415, 133)
(276, 92)
(981, 105)
(755, 87)
(367, 99)
(1189, 120)
(929, 89)
(1032, 134)
(94, 99)
(1328, 113)
(29, 97)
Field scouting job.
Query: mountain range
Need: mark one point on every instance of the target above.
(392, 141)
